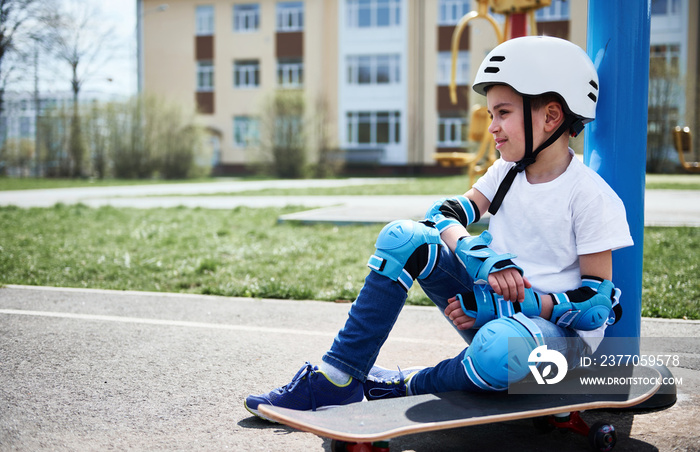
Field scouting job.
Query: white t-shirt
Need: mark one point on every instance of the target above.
(549, 225)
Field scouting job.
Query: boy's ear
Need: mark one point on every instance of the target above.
(554, 115)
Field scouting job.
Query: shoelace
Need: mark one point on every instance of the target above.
(307, 370)
(398, 380)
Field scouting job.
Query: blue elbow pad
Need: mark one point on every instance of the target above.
(448, 212)
(589, 307)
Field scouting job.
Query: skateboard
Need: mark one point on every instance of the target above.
(367, 426)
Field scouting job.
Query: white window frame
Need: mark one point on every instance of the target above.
(290, 16)
(246, 17)
(371, 64)
(559, 10)
(373, 7)
(373, 118)
(454, 129)
(246, 131)
(290, 73)
(451, 11)
(246, 74)
(444, 69)
(204, 20)
(205, 76)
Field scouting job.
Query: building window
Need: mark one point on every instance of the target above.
(373, 69)
(452, 132)
(665, 58)
(558, 10)
(444, 71)
(374, 128)
(665, 7)
(205, 76)
(246, 74)
(246, 18)
(290, 16)
(246, 131)
(373, 13)
(205, 20)
(451, 11)
(290, 73)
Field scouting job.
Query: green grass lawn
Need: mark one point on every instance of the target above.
(245, 252)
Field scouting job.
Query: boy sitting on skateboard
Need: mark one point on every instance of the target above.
(541, 272)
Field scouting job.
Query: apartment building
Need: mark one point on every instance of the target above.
(376, 71)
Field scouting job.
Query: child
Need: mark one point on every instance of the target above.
(541, 272)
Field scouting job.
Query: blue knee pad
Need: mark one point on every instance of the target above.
(396, 244)
(490, 363)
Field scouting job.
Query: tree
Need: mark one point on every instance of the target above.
(664, 95)
(282, 134)
(15, 17)
(76, 35)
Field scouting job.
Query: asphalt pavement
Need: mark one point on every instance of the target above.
(112, 370)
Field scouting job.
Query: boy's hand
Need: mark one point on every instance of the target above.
(509, 284)
(454, 312)
(475, 309)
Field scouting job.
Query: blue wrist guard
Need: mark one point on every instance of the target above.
(589, 307)
(449, 212)
(480, 260)
(485, 305)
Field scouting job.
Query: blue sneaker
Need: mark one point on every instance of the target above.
(387, 384)
(310, 389)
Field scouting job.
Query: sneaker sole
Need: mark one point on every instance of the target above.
(258, 414)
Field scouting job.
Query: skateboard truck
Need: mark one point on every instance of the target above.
(601, 435)
(343, 446)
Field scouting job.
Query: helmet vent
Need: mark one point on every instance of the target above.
(593, 84)
(497, 58)
(491, 70)
(592, 96)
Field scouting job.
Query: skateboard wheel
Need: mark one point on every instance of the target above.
(602, 436)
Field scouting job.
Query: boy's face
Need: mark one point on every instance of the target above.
(505, 107)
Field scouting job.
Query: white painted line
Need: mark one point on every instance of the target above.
(185, 324)
(161, 322)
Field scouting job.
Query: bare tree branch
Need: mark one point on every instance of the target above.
(77, 36)
(15, 16)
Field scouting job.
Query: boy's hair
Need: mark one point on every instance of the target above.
(539, 101)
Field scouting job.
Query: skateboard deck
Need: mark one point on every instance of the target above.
(380, 420)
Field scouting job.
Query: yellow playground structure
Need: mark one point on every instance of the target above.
(481, 151)
(683, 142)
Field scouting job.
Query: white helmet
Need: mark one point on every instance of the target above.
(534, 65)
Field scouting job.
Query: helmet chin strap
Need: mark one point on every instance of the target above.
(570, 123)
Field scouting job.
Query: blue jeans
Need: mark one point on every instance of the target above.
(377, 307)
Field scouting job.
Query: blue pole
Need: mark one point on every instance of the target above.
(615, 144)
